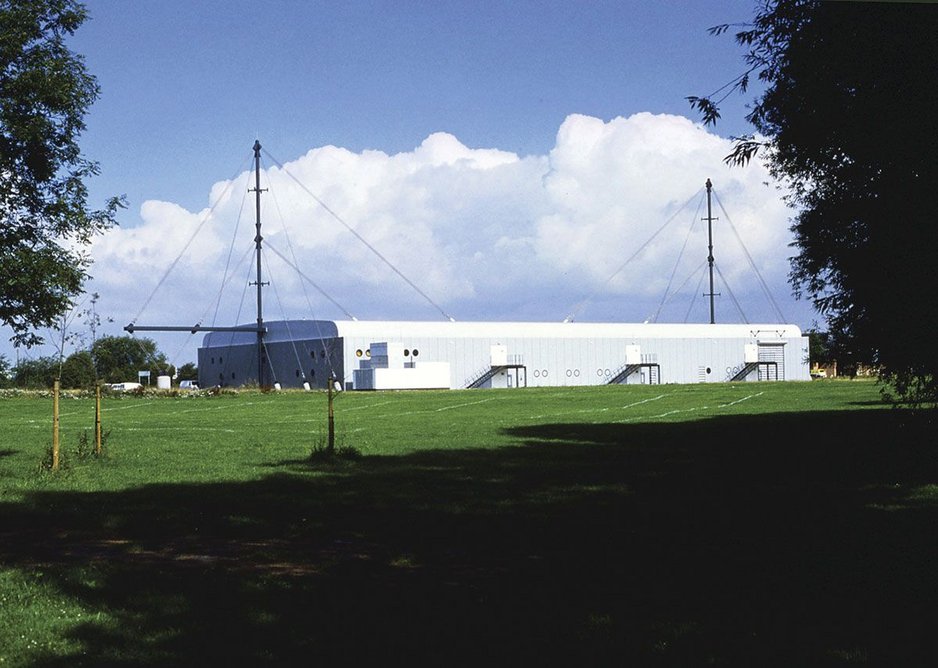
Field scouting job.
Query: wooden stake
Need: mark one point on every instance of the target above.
(55, 426)
(331, 394)
(97, 419)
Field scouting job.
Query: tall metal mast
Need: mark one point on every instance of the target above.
(258, 239)
(260, 329)
(710, 220)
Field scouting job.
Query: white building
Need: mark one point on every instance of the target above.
(424, 355)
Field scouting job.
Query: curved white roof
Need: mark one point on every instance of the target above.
(558, 330)
(381, 330)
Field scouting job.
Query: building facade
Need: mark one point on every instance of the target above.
(454, 355)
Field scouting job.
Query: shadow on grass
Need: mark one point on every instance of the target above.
(769, 540)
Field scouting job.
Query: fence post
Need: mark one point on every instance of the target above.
(97, 419)
(331, 394)
(55, 425)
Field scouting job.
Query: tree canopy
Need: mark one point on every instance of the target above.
(111, 359)
(119, 358)
(847, 122)
(39, 373)
(6, 371)
(45, 219)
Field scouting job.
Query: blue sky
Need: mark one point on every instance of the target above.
(187, 86)
(506, 155)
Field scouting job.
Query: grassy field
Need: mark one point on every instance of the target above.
(732, 524)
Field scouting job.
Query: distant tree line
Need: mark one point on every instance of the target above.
(110, 359)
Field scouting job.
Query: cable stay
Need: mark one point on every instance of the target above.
(669, 297)
(228, 277)
(696, 291)
(231, 246)
(295, 266)
(185, 248)
(293, 339)
(306, 278)
(677, 263)
(244, 292)
(581, 305)
(762, 283)
(286, 323)
(358, 236)
(732, 296)
(260, 361)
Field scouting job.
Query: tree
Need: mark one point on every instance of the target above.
(819, 347)
(45, 220)
(39, 373)
(188, 371)
(847, 122)
(6, 373)
(119, 358)
(78, 370)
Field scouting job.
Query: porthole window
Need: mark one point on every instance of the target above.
(416, 352)
(576, 373)
(406, 352)
(569, 373)
(368, 353)
(708, 369)
(537, 374)
(358, 353)
(544, 373)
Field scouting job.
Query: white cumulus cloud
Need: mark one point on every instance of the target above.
(483, 233)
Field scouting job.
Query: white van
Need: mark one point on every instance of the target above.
(124, 387)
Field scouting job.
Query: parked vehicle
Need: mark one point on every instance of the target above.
(124, 387)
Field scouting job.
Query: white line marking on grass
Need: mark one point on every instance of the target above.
(602, 410)
(366, 407)
(180, 429)
(469, 403)
(437, 410)
(645, 401)
(662, 415)
(739, 401)
(109, 409)
(690, 410)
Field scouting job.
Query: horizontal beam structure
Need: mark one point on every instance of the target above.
(193, 329)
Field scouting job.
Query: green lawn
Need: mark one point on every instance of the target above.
(736, 524)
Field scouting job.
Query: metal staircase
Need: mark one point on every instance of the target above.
(749, 367)
(654, 375)
(486, 374)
